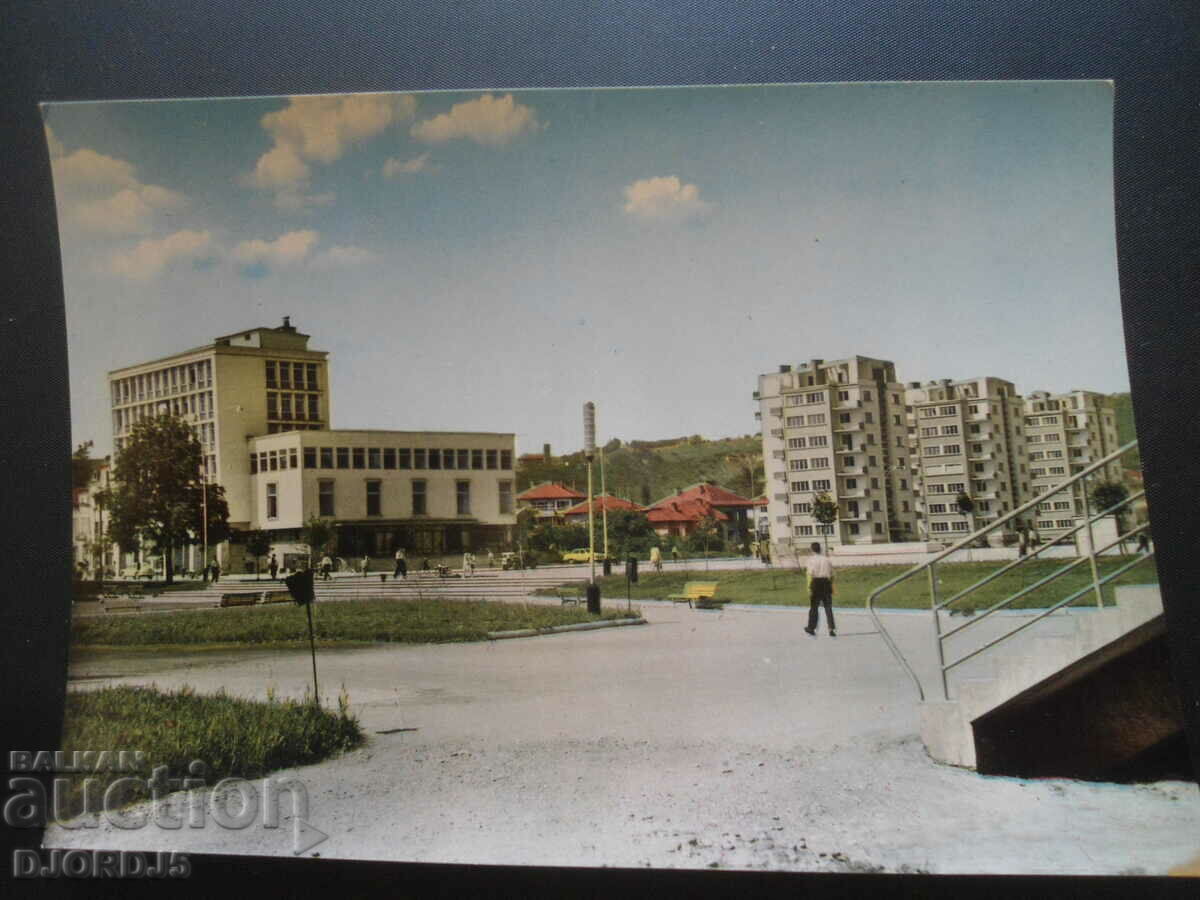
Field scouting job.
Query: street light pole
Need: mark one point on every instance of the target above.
(603, 503)
(204, 517)
(589, 449)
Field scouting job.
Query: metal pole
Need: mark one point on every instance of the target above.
(937, 633)
(591, 525)
(204, 520)
(604, 506)
(1087, 511)
(313, 647)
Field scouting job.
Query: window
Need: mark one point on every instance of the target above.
(798, 465)
(253, 464)
(313, 409)
(939, 526)
(285, 403)
(818, 440)
(951, 449)
(506, 496)
(794, 421)
(312, 378)
(843, 396)
(866, 395)
(272, 405)
(373, 498)
(389, 457)
(937, 507)
(325, 498)
(360, 457)
(374, 458)
(435, 458)
(956, 487)
(804, 530)
(935, 488)
(819, 462)
(491, 459)
(273, 460)
(816, 398)
(404, 458)
(817, 419)
(272, 500)
(326, 457)
(797, 443)
(506, 460)
(844, 418)
(292, 458)
(801, 509)
(343, 457)
(821, 484)
(853, 527)
(310, 457)
(476, 459)
(932, 450)
(462, 497)
(418, 495)
(950, 429)
(799, 486)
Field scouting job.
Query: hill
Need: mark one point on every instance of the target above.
(646, 471)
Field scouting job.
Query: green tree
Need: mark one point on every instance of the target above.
(319, 535)
(706, 535)
(630, 530)
(258, 544)
(1108, 494)
(825, 511)
(81, 466)
(750, 468)
(158, 496)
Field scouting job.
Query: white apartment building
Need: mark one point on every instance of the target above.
(1065, 434)
(836, 428)
(967, 440)
(259, 402)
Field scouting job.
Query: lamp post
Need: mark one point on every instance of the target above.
(589, 450)
(603, 505)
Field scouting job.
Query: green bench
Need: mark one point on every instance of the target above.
(698, 595)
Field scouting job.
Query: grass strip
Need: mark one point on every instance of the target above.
(853, 584)
(232, 737)
(407, 620)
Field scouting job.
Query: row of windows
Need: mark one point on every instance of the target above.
(953, 487)
(1060, 505)
(288, 375)
(800, 421)
(199, 405)
(326, 505)
(929, 412)
(1045, 420)
(1056, 523)
(933, 430)
(821, 484)
(799, 443)
(162, 383)
(817, 462)
(1042, 471)
(943, 450)
(380, 458)
(300, 407)
(942, 527)
(1050, 438)
(1035, 455)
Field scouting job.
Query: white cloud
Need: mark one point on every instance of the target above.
(319, 129)
(151, 256)
(395, 167)
(488, 120)
(664, 199)
(285, 250)
(340, 256)
(87, 168)
(129, 211)
(55, 145)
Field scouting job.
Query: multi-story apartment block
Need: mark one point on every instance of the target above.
(836, 428)
(259, 402)
(1066, 433)
(967, 440)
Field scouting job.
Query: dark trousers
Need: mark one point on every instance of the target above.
(401, 569)
(821, 594)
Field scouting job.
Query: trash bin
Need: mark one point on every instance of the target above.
(593, 598)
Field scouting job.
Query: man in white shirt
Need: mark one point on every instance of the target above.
(820, 590)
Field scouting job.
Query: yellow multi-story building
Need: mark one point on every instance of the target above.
(260, 404)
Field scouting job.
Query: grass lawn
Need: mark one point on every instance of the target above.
(409, 621)
(853, 584)
(232, 737)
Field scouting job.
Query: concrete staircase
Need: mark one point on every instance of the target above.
(1051, 655)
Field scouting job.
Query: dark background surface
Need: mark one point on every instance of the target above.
(120, 50)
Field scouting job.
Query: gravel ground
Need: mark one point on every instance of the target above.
(704, 740)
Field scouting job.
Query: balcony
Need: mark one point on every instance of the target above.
(848, 404)
(853, 470)
(855, 493)
(855, 516)
(757, 396)
(776, 411)
(776, 432)
(981, 457)
(848, 426)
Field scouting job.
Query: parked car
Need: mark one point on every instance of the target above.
(581, 555)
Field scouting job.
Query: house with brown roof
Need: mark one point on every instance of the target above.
(578, 514)
(550, 499)
(679, 514)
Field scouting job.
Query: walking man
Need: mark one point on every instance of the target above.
(820, 590)
(274, 566)
(401, 565)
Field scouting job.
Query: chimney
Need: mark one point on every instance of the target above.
(287, 324)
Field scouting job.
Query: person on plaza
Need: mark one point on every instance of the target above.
(273, 566)
(326, 567)
(364, 564)
(216, 571)
(1143, 542)
(674, 554)
(656, 559)
(468, 563)
(491, 559)
(401, 564)
(754, 551)
(820, 590)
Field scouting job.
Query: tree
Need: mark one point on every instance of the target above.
(158, 497)
(81, 466)
(706, 535)
(1108, 494)
(631, 531)
(750, 467)
(319, 535)
(825, 511)
(258, 543)
(966, 506)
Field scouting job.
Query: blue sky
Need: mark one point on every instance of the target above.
(491, 260)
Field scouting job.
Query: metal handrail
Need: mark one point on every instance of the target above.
(974, 536)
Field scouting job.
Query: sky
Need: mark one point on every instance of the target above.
(491, 260)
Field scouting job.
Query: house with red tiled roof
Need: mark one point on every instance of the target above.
(578, 514)
(678, 517)
(549, 499)
(733, 511)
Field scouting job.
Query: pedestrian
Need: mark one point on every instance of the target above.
(491, 559)
(273, 565)
(1143, 542)
(1023, 543)
(467, 564)
(656, 559)
(364, 565)
(401, 564)
(820, 590)
(326, 567)
(674, 554)
(216, 571)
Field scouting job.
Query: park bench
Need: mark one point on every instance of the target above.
(117, 603)
(276, 597)
(240, 598)
(698, 595)
(573, 594)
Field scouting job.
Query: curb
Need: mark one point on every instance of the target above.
(557, 629)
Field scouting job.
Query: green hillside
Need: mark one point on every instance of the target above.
(646, 471)
(1123, 405)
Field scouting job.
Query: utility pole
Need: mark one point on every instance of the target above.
(589, 450)
(603, 504)
(204, 516)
